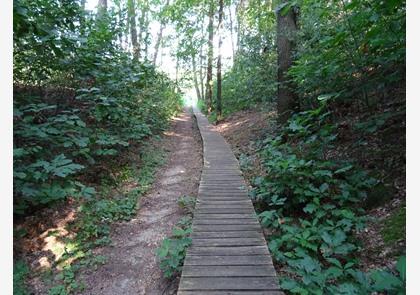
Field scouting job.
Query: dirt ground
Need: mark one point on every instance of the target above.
(131, 266)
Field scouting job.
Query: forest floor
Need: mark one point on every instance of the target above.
(383, 239)
(132, 267)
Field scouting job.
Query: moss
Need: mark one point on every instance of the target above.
(394, 227)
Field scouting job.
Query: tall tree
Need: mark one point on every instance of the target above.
(197, 87)
(158, 41)
(102, 7)
(286, 29)
(239, 11)
(133, 30)
(231, 31)
(202, 60)
(209, 83)
(161, 28)
(219, 64)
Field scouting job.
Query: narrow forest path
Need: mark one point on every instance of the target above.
(132, 267)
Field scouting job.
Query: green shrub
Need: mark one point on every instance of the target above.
(20, 271)
(394, 227)
(171, 253)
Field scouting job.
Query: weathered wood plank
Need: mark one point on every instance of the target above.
(200, 215)
(225, 221)
(228, 260)
(227, 234)
(228, 251)
(231, 283)
(194, 271)
(253, 292)
(222, 242)
(227, 227)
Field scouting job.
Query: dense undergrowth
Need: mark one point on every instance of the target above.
(79, 100)
(342, 150)
(82, 105)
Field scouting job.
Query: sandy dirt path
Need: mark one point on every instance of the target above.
(132, 267)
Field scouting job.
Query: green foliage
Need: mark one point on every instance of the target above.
(251, 80)
(187, 203)
(394, 227)
(80, 100)
(384, 281)
(20, 271)
(312, 206)
(357, 46)
(172, 251)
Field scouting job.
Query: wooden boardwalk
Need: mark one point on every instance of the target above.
(229, 254)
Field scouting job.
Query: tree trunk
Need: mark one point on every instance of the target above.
(219, 64)
(159, 39)
(209, 84)
(141, 27)
(197, 88)
(286, 29)
(202, 62)
(231, 32)
(102, 8)
(239, 10)
(133, 29)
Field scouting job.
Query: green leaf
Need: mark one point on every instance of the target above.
(401, 267)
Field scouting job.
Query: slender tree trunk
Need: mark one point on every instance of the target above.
(176, 74)
(159, 39)
(197, 88)
(120, 33)
(239, 10)
(202, 62)
(144, 8)
(231, 32)
(146, 37)
(102, 7)
(133, 28)
(219, 64)
(209, 84)
(286, 29)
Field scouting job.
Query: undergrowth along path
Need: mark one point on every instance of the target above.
(229, 254)
(131, 267)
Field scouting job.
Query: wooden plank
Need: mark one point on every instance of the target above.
(200, 215)
(228, 251)
(231, 283)
(194, 271)
(226, 234)
(200, 205)
(225, 210)
(225, 221)
(242, 292)
(228, 260)
(213, 228)
(222, 242)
